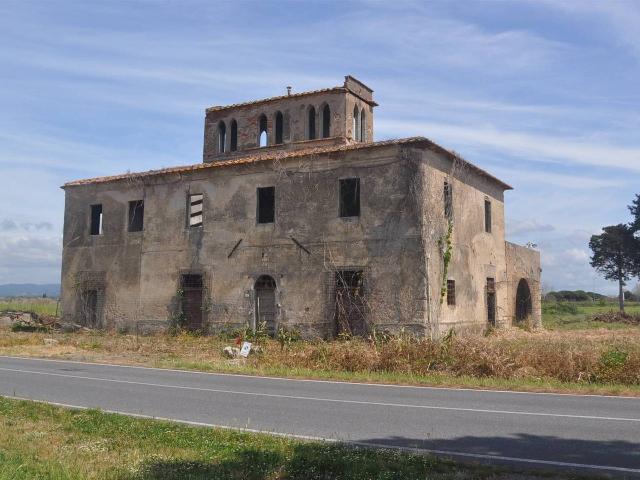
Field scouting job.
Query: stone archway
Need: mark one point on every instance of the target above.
(524, 304)
(266, 309)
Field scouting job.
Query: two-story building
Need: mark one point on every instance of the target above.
(296, 218)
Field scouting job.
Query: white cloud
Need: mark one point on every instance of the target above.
(547, 148)
(517, 227)
(577, 254)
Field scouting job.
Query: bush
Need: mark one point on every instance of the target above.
(22, 326)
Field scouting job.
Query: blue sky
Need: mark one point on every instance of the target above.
(545, 95)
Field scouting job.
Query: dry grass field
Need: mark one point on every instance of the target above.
(572, 353)
(588, 361)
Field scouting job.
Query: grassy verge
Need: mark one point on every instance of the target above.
(595, 362)
(39, 441)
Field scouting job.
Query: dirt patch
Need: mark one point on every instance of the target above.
(618, 317)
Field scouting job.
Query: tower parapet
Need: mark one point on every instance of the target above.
(331, 116)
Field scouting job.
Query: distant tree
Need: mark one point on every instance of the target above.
(634, 208)
(615, 255)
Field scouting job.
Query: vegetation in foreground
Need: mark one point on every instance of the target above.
(595, 361)
(574, 353)
(39, 441)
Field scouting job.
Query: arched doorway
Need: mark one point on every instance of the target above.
(265, 295)
(523, 301)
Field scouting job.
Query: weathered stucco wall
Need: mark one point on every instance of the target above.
(523, 265)
(475, 254)
(142, 269)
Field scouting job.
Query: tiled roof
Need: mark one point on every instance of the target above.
(281, 155)
(282, 97)
(272, 99)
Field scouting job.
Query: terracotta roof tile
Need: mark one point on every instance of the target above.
(272, 99)
(281, 155)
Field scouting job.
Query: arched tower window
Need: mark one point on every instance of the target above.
(326, 122)
(279, 127)
(263, 136)
(363, 126)
(234, 136)
(356, 124)
(222, 137)
(311, 127)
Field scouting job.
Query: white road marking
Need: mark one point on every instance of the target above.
(449, 453)
(321, 399)
(339, 382)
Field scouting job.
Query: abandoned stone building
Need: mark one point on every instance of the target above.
(298, 219)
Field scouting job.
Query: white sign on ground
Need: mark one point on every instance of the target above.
(246, 348)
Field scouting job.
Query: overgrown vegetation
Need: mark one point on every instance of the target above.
(39, 441)
(543, 360)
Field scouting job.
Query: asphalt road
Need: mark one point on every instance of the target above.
(588, 433)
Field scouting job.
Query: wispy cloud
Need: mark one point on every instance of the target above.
(548, 148)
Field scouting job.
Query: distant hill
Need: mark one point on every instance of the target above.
(30, 290)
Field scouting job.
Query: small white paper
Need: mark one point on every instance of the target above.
(246, 348)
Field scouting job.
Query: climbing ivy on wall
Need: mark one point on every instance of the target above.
(446, 247)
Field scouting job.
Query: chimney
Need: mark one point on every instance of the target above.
(288, 89)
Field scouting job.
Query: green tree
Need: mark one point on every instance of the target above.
(634, 208)
(615, 255)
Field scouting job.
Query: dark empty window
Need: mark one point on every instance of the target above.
(279, 127)
(448, 201)
(195, 210)
(263, 136)
(96, 219)
(487, 216)
(363, 126)
(266, 204)
(136, 215)
(451, 292)
(326, 122)
(350, 197)
(234, 136)
(311, 127)
(356, 124)
(222, 137)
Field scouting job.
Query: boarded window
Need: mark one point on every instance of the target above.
(350, 307)
(487, 216)
(491, 301)
(234, 136)
(89, 308)
(326, 122)
(266, 204)
(191, 302)
(279, 127)
(96, 219)
(136, 215)
(448, 201)
(195, 210)
(350, 197)
(311, 124)
(451, 292)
